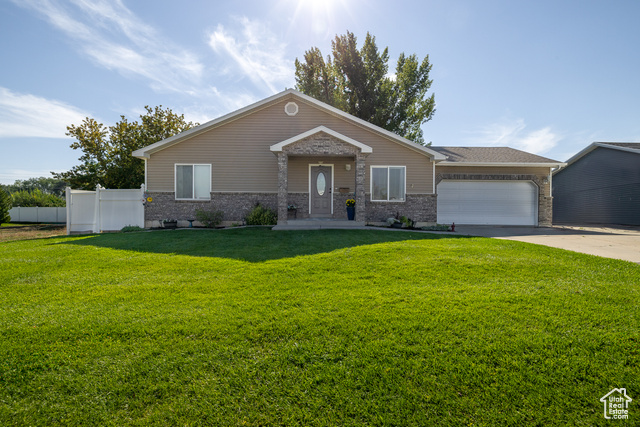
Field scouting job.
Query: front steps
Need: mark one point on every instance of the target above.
(318, 224)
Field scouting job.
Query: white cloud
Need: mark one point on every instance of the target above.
(514, 133)
(25, 115)
(112, 36)
(256, 52)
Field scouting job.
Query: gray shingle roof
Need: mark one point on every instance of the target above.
(490, 155)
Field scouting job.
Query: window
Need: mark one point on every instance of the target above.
(388, 183)
(193, 182)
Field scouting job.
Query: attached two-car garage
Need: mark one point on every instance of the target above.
(487, 202)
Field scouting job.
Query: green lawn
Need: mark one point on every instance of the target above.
(329, 327)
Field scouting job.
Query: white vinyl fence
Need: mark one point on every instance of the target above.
(104, 210)
(37, 214)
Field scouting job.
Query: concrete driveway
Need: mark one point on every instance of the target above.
(610, 242)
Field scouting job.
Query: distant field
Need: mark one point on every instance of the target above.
(329, 327)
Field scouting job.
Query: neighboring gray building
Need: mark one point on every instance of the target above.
(599, 185)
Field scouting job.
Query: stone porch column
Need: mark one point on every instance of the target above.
(283, 187)
(360, 190)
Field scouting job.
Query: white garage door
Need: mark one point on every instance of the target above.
(488, 202)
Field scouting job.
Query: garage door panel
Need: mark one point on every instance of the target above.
(487, 202)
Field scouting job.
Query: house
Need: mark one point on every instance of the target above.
(599, 185)
(291, 149)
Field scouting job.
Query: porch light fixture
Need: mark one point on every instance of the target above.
(347, 167)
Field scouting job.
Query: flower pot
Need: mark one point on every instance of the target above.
(351, 213)
(170, 225)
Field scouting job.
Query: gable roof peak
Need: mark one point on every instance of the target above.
(146, 152)
(321, 129)
(631, 147)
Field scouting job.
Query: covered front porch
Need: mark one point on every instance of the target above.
(317, 172)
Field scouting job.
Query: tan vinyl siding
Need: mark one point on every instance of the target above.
(492, 170)
(242, 161)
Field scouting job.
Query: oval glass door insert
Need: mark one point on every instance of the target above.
(321, 184)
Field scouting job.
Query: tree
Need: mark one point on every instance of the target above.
(107, 158)
(44, 184)
(5, 205)
(38, 198)
(357, 81)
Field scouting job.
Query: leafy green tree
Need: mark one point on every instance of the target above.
(5, 205)
(37, 198)
(358, 82)
(44, 184)
(107, 158)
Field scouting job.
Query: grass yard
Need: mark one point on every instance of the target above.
(329, 327)
(19, 231)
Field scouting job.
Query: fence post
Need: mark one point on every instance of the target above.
(96, 215)
(144, 205)
(67, 196)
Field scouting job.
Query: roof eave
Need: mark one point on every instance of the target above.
(172, 140)
(436, 156)
(504, 164)
(595, 145)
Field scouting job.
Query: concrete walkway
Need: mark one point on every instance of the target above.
(610, 242)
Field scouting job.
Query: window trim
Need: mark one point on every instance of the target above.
(193, 178)
(404, 175)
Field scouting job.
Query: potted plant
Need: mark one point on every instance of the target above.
(170, 223)
(292, 210)
(351, 209)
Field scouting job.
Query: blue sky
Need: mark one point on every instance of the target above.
(548, 77)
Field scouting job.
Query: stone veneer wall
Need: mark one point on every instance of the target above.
(235, 206)
(418, 207)
(545, 202)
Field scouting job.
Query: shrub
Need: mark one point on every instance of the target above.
(37, 198)
(5, 205)
(131, 228)
(392, 220)
(408, 222)
(210, 219)
(261, 215)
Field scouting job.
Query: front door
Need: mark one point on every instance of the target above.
(320, 190)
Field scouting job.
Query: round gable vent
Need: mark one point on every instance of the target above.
(291, 108)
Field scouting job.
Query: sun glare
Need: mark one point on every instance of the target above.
(321, 15)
